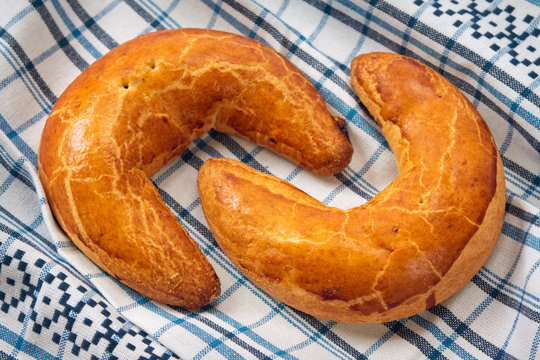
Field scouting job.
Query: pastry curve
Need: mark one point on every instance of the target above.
(414, 244)
(137, 108)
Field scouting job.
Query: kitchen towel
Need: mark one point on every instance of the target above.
(55, 303)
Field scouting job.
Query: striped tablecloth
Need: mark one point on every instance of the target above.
(55, 303)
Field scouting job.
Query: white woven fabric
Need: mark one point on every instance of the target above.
(55, 303)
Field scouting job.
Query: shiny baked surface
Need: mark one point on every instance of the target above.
(411, 246)
(137, 108)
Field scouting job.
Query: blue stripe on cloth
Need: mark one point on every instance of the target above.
(497, 293)
(246, 330)
(383, 339)
(91, 22)
(310, 340)
(242, 28)
(534, 347)
(218, 344)
(524, 174)
(352, 186)
(55, 31)
(412, 21)
(322, 22)
(18, 142)
(284, 5)
(293, 174)
(25, 346)
(26, 74)
(215, 14)
(162, 15)
(14, 234)
(351, 113)
(187, 322)
(16, 171)
(11, 177)
(19, 16)
(30, 230)
(532, 270)
(77, 34)
(522, 213)
(519, 235)
(330, 335)
(492, 295)
(358, 177)
(354, 52)
(21, 57)
(30, 122)
(464, 331)
(237, 150)
(449, 342)
(145, 15)
(518, 292)
(189, 158)
(400, 328)
(15, 167)
(26, 70)
(519, 183)
(256, 24)
(441, 336)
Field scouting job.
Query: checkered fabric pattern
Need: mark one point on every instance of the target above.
(55, 303)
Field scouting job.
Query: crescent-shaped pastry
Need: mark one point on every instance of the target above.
(411, 246)
(136, 109)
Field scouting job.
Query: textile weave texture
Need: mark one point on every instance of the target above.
(55, 303)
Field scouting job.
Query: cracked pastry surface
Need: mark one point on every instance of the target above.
(137, 108)
(411, 246)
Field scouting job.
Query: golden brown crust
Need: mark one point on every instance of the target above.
(137, 108)
(410, 247)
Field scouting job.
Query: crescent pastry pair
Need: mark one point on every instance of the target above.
(139, 106)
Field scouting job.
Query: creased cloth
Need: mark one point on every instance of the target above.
(55, 303)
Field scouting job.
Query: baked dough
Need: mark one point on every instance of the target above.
(411, 246)
(136, 109)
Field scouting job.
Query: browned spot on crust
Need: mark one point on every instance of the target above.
(329, 293)
(342, 126)
(368, 307)
(430, 301)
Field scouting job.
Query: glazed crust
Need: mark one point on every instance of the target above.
(137, 108)
(411, 246)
